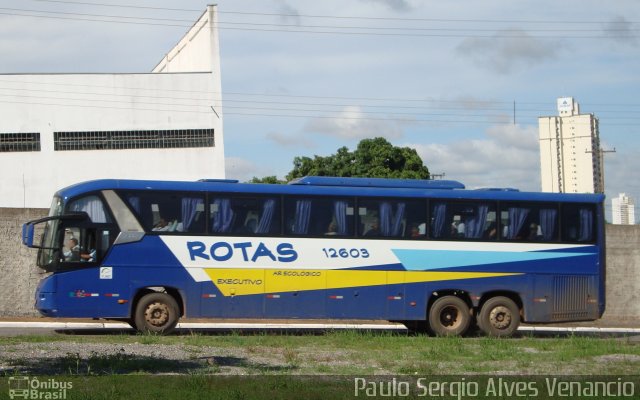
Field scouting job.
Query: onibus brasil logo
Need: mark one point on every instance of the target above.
(24, 387)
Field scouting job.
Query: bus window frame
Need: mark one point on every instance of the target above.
(351, 199)
(123, 194)
(538, 204)
(210, 196)
(360, 199)
(432, 200)
(595, 228)
(427, 202)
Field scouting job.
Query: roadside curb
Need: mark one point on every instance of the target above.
(293, 326)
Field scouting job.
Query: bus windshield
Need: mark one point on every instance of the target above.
(50, 242)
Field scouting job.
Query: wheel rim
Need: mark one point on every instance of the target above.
(500, 317)
(157, 314)
(450, 317)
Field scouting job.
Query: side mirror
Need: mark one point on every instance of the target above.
(27, 234)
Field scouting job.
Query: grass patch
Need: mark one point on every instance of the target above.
(337, 352)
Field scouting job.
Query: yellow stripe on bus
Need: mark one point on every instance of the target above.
(239, 282)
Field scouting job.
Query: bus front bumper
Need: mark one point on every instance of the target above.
(46, 297)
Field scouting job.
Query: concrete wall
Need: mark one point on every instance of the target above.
(623, 272)
(19, 277)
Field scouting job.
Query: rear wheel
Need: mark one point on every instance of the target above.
(499, 316)
(156, 312)
(449, 316)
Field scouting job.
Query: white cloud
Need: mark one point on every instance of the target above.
(352, 123)
(396, 5)
(290, 14)
(621, 30)
(507, 157)
(509, 49)
(285, 140)
(241, 169)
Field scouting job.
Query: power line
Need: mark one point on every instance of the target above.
(336, 101)
(365, 31)
(519, 21)
(117, 5)
(98, 15)
(92, 20)
(274, 112)
(307, 26)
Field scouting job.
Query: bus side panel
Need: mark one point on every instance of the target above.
(564, 297)
(296, 304)
(90, 293)
(150, 264)
(366, 302)
(397, 301)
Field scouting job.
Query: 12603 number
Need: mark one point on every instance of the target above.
(345, 253)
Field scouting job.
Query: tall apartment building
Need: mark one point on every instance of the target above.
(623, 210)
(570, 156)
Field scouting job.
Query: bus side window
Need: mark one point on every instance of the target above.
(168, 212)
(245, 215)
(463, 221)
(93, 206)
(392, 218)
(578, 223)
(319, 216)
(529, 222)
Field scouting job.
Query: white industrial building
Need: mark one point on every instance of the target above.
(59, 129)
(623, 210)
(570, 155)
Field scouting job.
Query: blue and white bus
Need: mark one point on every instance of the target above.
(429, 254)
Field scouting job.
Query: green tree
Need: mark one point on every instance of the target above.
(267, 179)
(372, 158)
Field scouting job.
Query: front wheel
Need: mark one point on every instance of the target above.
(157, 313)
(499, 316)
(449, 316)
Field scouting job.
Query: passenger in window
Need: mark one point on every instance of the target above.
(332, 229)
(461, 228)
(249, 227)
(491, 232)
(534, 232)
(161, 226)
(374, 229)
(416, 232)
(454, 229)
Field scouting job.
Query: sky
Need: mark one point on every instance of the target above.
(461, 82)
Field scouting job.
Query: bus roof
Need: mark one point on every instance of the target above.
(376, 182)
(373, 187)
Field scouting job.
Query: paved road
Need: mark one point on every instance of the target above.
(21, 328)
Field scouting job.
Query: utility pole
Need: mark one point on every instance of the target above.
(601, 154)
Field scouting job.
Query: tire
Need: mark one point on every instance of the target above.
(449, 316)
(156, 313)
(499, 316)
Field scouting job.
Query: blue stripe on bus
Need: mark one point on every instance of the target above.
(439, 259)
(381, 267)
